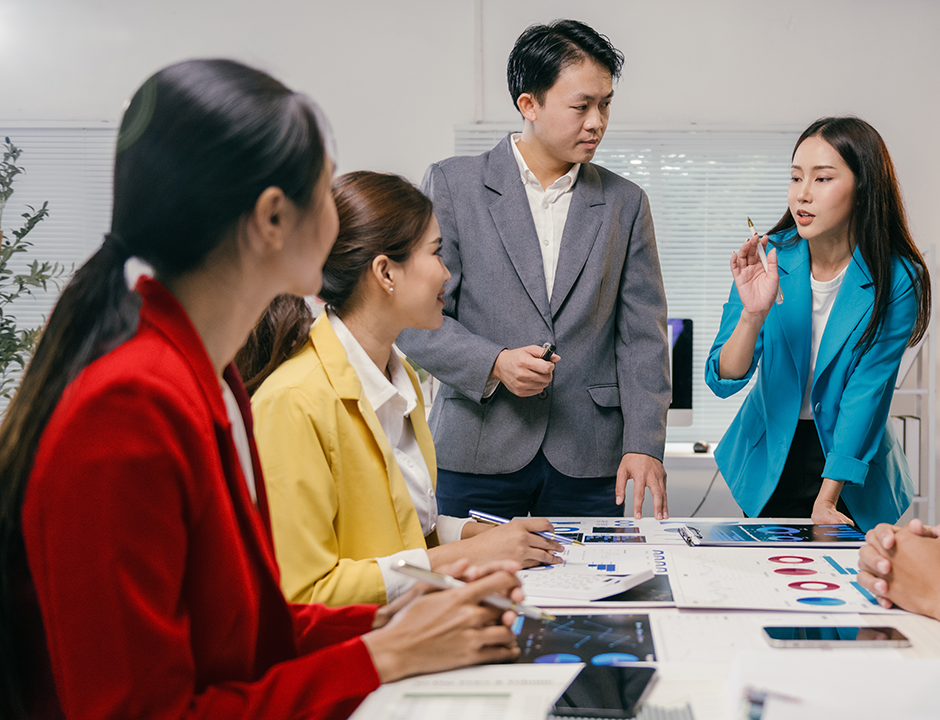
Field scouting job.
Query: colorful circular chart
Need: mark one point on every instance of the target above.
(790, 559)
(558, 658)
(814, 585)
(821, 601)
(795, 571)
(614, 659)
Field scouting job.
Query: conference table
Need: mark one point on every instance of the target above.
(705, 616)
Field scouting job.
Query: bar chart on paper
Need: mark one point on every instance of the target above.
(771, 579)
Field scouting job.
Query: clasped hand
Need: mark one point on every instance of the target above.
(901, 566)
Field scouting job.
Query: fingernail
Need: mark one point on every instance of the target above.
(637, 516)
(883, 566)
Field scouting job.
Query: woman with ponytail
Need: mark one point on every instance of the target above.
(137, 577)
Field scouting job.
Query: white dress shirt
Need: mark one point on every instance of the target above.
(549, 210)
(393, 402)
(240, 437)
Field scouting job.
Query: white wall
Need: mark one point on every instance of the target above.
(396, 76)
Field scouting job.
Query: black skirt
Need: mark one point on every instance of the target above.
(801, 478)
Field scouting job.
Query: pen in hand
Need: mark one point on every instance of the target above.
(763, 258)
(497, 520)
(494, 600)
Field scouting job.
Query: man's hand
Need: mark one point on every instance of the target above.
(522, 370)
(646, 472)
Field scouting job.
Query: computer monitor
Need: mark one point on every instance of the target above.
(680, 370)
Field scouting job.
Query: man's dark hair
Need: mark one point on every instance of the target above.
(543, 51)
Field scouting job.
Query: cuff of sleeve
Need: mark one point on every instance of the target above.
(491, 386)
(397, 584)
(450, 529)
(725, 387)
(846, 468)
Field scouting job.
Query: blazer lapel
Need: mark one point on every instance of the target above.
(796, 311)
(581, 228)
(852, 305)
(514, 224)
(345, 381)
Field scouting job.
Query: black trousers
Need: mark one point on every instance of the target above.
(801, 478)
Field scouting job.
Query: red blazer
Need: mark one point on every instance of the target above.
(153, 569)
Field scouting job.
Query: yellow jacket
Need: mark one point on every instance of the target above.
(337, 497)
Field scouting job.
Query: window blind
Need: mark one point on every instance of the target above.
(702, 186)
(70, 166)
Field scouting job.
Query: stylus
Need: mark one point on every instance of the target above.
(763, 258)
(446, 581)
(497, 520)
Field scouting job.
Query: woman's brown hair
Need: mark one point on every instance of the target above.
(379, 214)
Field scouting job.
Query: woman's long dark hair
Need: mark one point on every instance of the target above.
(878, 224)
(379, 214)
(198, 143)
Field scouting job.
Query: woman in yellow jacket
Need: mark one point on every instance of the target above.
(339, 416)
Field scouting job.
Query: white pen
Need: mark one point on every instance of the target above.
(483, 517)
(446, 581)
(763, 258)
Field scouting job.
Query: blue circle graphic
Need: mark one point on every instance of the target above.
(821, 601)
(614, 659)
(777, 530)
(558, 658)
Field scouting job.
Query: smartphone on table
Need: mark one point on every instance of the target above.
(603, 691)
(834, 636)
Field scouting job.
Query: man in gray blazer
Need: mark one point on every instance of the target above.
(545, 247)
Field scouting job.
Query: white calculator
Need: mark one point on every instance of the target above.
(557, 583)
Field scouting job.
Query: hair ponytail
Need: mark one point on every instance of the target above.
(95, 313)
(199, 142)
(280, 333)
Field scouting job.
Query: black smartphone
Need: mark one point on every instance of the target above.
(835, 637)
(548, 351)
(605, 692)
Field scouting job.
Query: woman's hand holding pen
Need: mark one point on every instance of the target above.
(430, 631)
(758, 289)
(515, 540)
(756, 286)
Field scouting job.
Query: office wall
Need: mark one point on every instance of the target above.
(396, 76)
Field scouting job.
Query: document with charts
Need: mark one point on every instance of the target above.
(612, 548)
(802, 580)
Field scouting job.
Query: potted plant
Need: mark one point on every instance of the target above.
(16, 343)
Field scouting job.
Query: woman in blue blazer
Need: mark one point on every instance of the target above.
(823, 324)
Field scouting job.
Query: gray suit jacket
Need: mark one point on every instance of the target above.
(606, 316)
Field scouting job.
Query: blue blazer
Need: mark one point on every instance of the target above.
(851, 392)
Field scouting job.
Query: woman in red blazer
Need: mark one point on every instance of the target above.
(137, 576)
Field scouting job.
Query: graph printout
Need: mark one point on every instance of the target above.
(804, 579)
